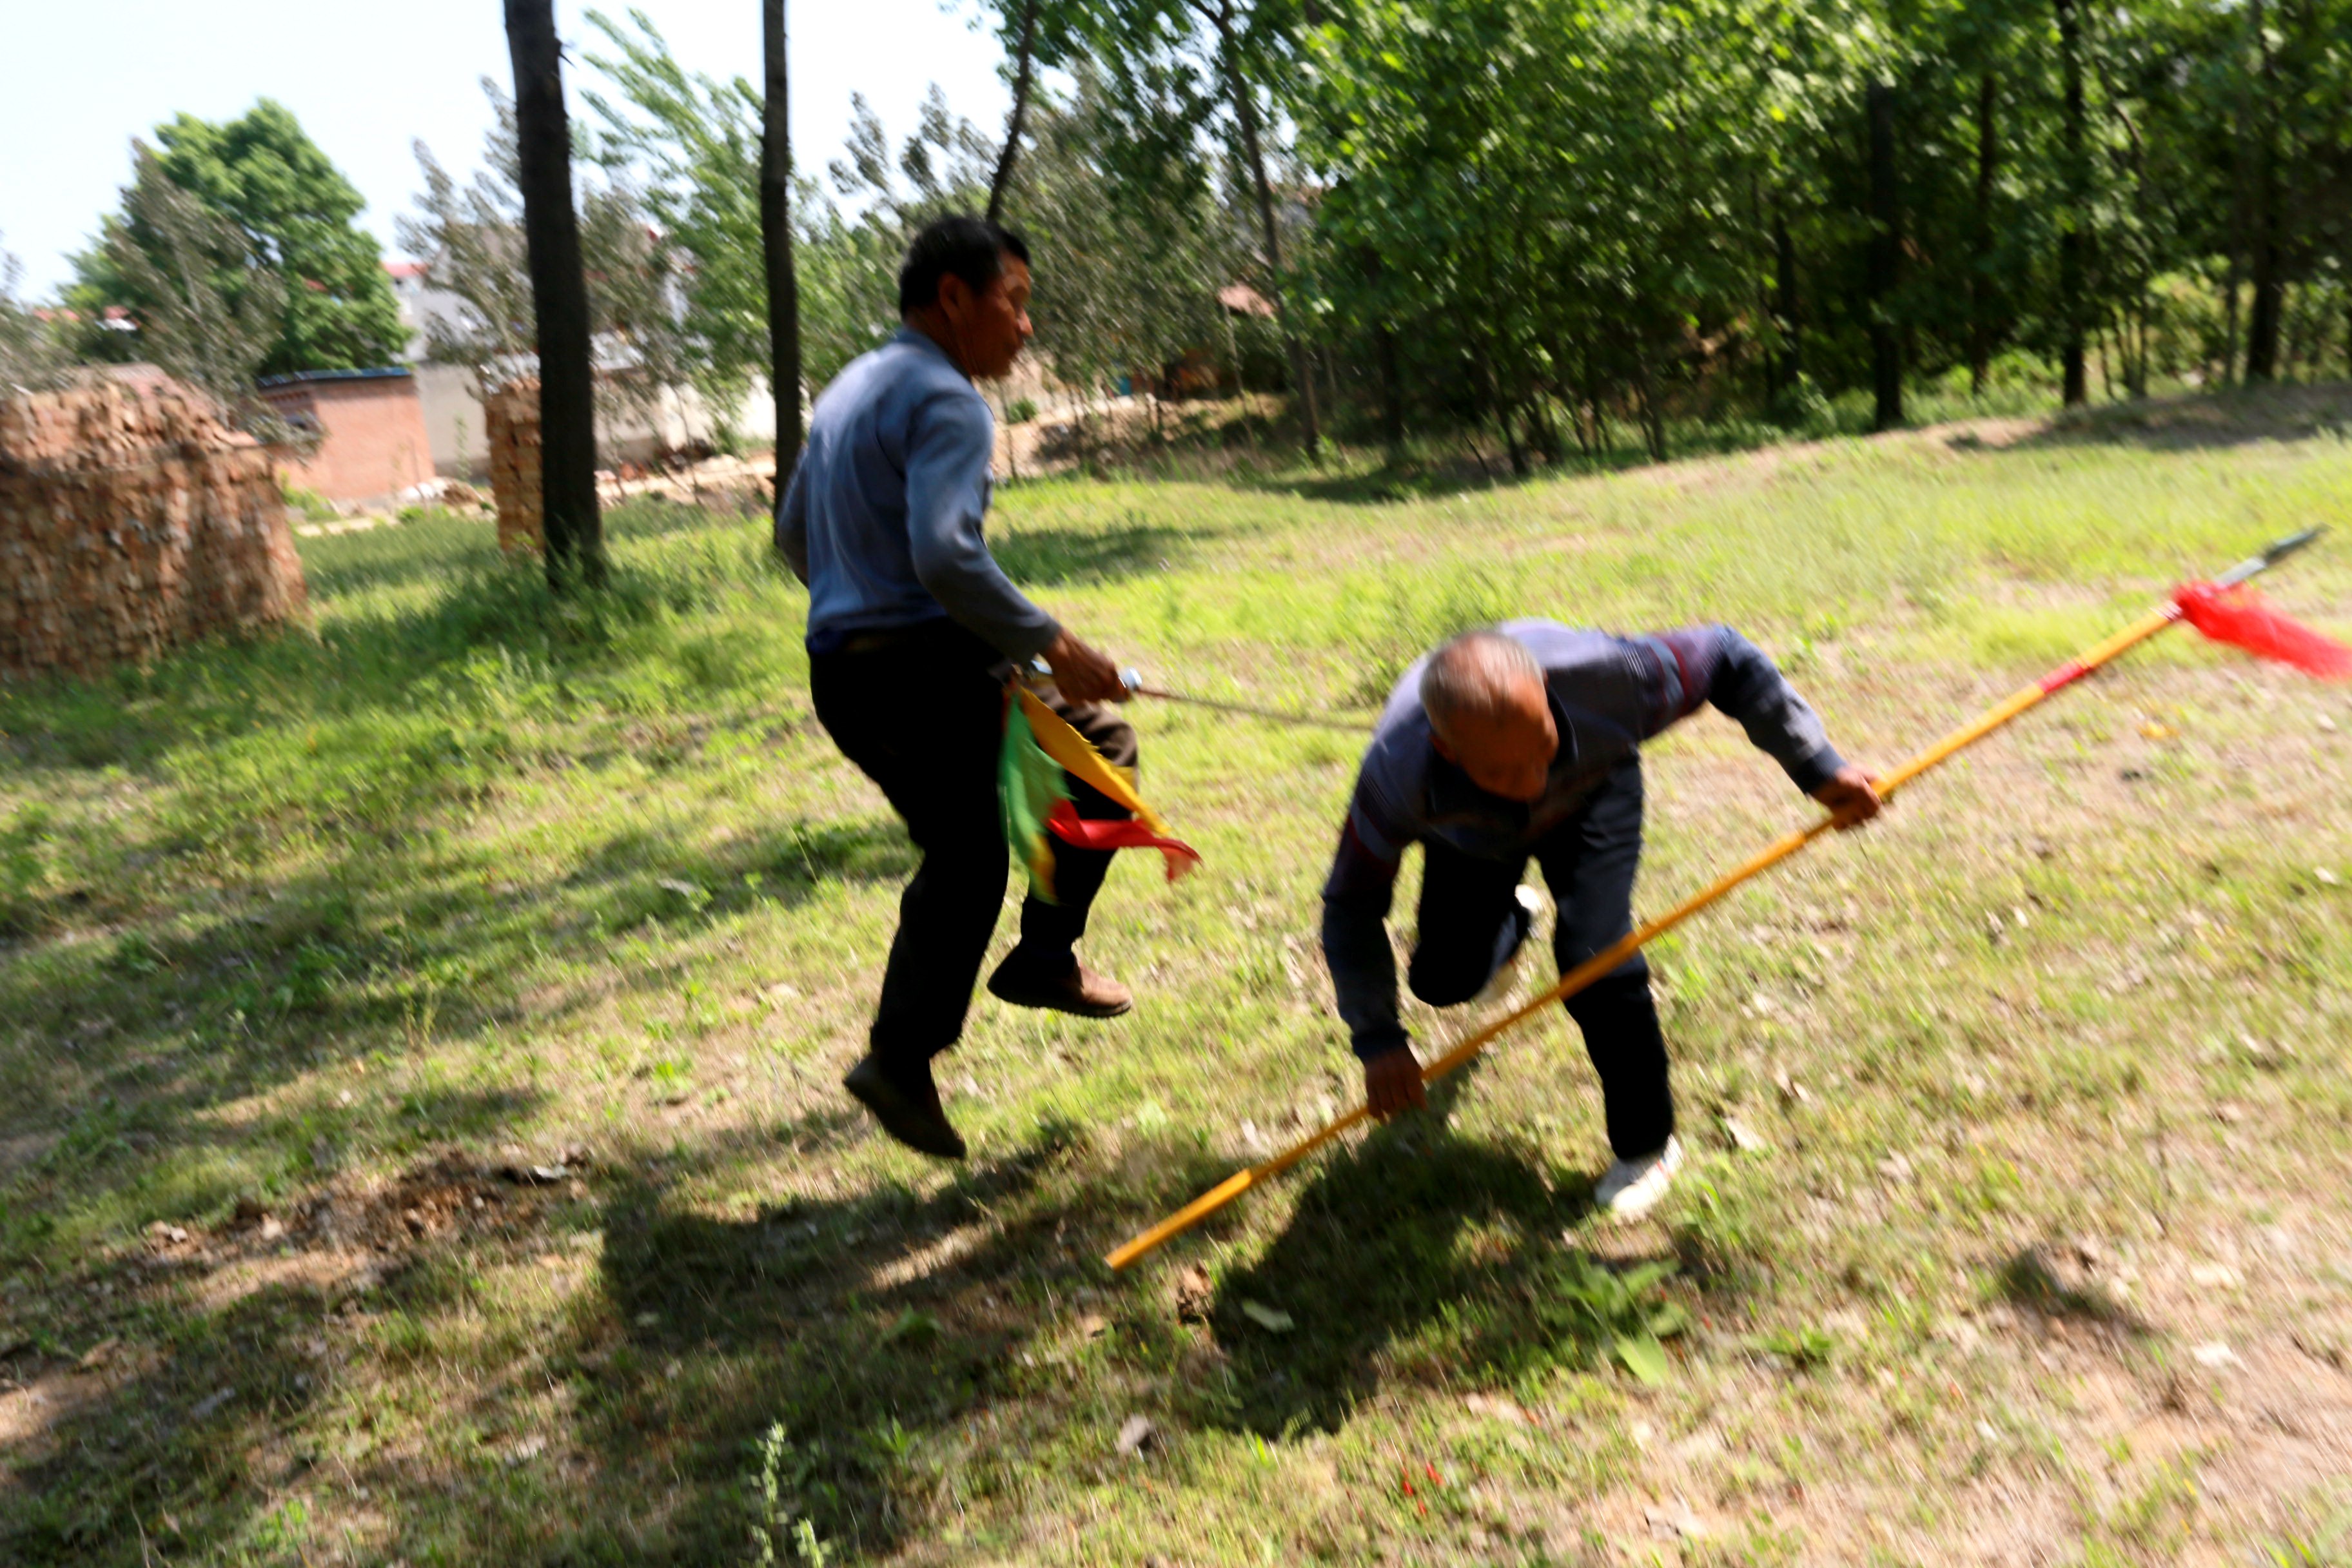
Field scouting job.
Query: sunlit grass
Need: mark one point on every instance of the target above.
(324, 930)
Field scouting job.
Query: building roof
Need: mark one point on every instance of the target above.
(380, 373)
(404, 268)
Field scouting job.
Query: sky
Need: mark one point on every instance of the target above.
(78, 80)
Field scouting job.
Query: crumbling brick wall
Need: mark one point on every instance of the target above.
(133, 520)
(511, 421)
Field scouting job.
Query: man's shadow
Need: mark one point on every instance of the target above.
(826, 1350)
(1419, 1256)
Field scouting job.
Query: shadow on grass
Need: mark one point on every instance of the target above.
(883, 1347)
(444, 546)
(867, 1340)
(1048, 557)
(160, 1461)
(2038, 1280)
(437, 549)
(1419, 1256)
(2205, 421)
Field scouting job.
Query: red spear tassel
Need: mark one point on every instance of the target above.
(2238, 616)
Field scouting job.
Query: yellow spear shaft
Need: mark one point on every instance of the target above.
(1617, 953)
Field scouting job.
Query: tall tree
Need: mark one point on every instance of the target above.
(469, 238)
(1885, 258)
(1094, 207)
(1789, 326)
(572, 528)
(2074, 217)
(213, 309)
(1980, 323)
(776, 240)
(2261, 196)
(1232, 65)
(477, 262)
(848, 266)
(298, 216)
(694, 146)
(1023, 78)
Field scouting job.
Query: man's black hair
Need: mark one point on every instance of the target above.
(971, 248)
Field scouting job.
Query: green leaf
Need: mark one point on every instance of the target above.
(914, 1327)
(1643, 1356)
(1272, 1319)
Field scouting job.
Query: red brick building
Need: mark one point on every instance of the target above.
(374, 444)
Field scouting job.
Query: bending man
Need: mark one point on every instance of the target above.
(1522, 742)
(912, 627)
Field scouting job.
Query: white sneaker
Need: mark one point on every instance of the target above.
(1633, 1187)
(1498, 984)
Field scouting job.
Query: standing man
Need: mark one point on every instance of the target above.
(912, 630)
(1521, 742)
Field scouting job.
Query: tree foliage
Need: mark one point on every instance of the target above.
(33, 357)
(1552, 218)
(296, 213)
(213, 310)
(693, 142)
(470, 238)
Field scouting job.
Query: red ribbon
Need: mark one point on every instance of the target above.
(1124, 833)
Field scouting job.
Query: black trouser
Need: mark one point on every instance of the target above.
(921, 712)
(1470, 925)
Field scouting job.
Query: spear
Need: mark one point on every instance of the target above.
(2223, 610)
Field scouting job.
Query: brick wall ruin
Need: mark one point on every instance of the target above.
(134, 520)
(511, 421)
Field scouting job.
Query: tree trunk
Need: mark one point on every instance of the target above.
(1653, 421)
(2229, 320)
(1245, 112)
(1512, 443)
(1543, 435)
(2262, 317)
(572, 528)
(2071, 237)
(1980, 335)
(776, 241)
(1885, 254)
(1784, 260)
(1003, 180)
(1765, 336)
(1392, 394)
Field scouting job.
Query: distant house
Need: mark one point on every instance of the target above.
(453, 408)
(373, 443)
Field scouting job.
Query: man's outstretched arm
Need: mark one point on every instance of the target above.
(1715, 664)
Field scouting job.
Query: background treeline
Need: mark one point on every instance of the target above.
(1551, 224)
(1565, 222)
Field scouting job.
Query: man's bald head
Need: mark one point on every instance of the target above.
(1490, 713)
(1480, 675)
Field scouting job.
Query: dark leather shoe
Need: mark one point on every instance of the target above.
(1075, 989)
(911, 1113)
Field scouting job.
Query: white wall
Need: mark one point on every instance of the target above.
(453, 418)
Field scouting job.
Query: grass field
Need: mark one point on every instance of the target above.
(420, 1140)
